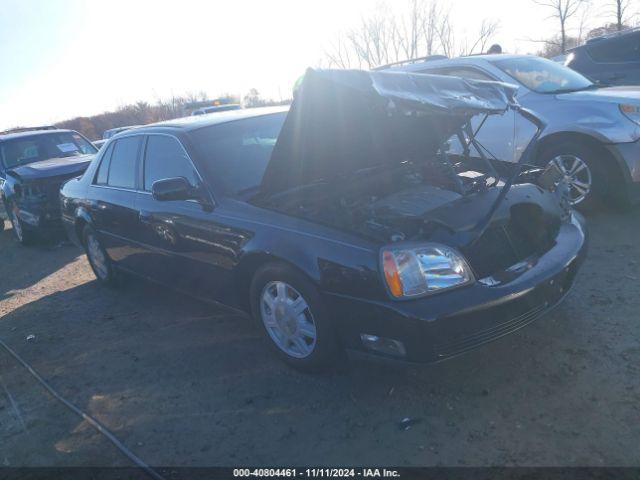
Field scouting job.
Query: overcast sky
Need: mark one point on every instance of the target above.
(65, 58)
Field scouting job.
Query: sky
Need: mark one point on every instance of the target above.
(61, 59)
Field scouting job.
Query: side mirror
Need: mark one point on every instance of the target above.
(173, 189)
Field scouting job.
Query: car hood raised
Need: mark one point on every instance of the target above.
(344, 121)
(52, 167)
(605, 94)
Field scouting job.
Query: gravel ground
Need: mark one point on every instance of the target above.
(182, 383)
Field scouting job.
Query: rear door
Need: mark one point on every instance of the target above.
(113, 200)
(497, 132)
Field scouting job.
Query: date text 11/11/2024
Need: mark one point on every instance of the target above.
(316, 473)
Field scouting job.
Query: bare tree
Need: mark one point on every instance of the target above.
(386, 36)
(620, 11)
(450, 44)
(430, 27)
(488, 29)
(563, 10)
(446, 35)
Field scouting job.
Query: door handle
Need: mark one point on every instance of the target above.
(144, 217)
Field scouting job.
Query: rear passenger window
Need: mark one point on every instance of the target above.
(165, 158)
(122, 170)
(103, 169)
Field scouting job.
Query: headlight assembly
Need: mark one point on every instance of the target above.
(414, 271)
(632, 112)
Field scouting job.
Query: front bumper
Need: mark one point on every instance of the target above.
(450, 323)
(40, 217)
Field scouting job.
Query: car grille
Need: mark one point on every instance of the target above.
(462, 345)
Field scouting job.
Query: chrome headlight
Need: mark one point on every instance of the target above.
(414, 271)
(632, 112)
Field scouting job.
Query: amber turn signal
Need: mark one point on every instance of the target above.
(391, 274)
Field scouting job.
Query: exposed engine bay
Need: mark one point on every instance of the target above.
(437, 201)
(369, 153)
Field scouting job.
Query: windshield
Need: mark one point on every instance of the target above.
(542, 75)
(29, 149)
(236, 154)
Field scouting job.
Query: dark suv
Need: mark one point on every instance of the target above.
(33, 166)
(611, 59)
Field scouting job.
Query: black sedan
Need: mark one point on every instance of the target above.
(339, 224)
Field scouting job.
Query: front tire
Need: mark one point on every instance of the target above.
(22, 234)
(102, 266)
(584, 171)
(290, 312)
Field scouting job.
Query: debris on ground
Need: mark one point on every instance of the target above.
(407, 422)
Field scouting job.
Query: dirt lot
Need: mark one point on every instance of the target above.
(181, 383)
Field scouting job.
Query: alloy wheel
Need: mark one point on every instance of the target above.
(288, 320)
(577, 175)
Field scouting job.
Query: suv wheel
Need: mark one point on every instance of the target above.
(290, 312)
(584, 172)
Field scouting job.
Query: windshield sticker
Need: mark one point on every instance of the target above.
(67, 147)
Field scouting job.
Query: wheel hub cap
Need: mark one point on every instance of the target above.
(96, 257)
(288, 319)
(577, 176)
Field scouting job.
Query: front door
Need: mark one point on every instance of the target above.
(178, 236)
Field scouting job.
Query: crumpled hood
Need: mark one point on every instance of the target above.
(622, 94)
(343, 121)
(52, 167)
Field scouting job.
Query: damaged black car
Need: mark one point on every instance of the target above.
(33, 166)
(342, 223)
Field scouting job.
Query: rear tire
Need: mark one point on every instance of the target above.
(102, 266)
(585, 171)
(290, 312)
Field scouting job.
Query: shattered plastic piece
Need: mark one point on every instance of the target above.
(407, 422)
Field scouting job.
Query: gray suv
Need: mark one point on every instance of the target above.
(592, 132)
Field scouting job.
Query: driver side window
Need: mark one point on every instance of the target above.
(165, 158)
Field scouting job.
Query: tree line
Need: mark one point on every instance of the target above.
(387, 35)
(427, 27)
(142, 113)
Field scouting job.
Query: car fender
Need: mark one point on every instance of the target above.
(599, 120)
(329, 264)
